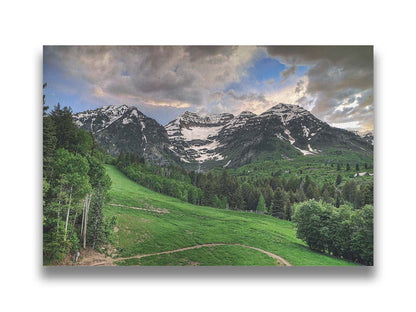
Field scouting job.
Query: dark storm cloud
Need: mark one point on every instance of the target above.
(152, 74)
(197, 53)
(361, 56)
(336, 75)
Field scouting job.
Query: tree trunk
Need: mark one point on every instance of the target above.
(59, 211)
(67, 214)
(86, 219)
(83, 215)
(57, 222)
(73, 223)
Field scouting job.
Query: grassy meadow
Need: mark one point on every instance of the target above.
(164, 223)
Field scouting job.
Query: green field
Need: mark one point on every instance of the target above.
(164, 223)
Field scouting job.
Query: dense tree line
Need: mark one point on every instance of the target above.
(75, 187)
(184, 191)
(272, 195)
(342, 232)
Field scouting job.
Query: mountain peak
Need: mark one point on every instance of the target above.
(106, 108)
(286, 112)
(209, 120)
(246, 114)
(133, 110)
(282, 107)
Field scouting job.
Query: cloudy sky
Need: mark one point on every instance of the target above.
(334, 83)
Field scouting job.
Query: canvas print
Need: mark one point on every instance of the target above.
(208, 156)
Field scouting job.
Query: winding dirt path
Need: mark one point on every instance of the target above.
(272, 255)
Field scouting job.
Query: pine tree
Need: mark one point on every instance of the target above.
(209, 190)
(238, 199)
(349, 191)
(65, 128)
(261, 206)
(49, 145)
(311, 189)
(288, 210)
(268, 195)
(278, 205)
(325, 194)
(368, 193)
(300, 195)
(49, 140)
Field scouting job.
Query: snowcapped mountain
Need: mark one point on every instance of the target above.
(195, 141)
(99, 119)
(125, 129)
(283, 131)
(194, 137)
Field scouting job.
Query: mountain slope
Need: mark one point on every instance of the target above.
(125, 129)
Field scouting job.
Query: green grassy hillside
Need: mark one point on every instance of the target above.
(161, 223)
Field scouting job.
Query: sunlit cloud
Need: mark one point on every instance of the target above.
(174, 104)
(352, 125)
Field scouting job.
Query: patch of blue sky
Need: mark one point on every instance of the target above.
(301, 70)
(63, 90)
(264, 74)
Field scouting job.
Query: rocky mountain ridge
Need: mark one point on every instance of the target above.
(196, 141)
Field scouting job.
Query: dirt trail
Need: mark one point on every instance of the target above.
(272, 255)
(158, 210)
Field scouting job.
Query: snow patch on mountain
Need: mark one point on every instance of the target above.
(205, 157)
(143, 135)
(305, 131)
(126, 121)
(291, 140)
(200, 133)
(311, 149)
(304, 152)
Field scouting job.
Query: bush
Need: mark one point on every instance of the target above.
(342, 231)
